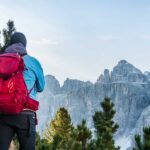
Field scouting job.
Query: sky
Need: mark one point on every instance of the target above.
(78, 39)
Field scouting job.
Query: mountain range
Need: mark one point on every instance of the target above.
(126, 85)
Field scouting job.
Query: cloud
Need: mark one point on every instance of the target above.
(108, 37)
(43, 41)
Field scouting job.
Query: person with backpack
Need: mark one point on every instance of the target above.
(21, 77)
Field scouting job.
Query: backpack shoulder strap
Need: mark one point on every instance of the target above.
(31, 90)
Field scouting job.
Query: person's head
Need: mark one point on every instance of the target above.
(18, 37)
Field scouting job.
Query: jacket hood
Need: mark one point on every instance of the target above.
(16, 48)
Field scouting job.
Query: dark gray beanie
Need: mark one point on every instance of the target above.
(18, 37)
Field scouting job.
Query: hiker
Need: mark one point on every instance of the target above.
(23, 124)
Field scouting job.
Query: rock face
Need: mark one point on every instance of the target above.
(104, 78)
(126, 85)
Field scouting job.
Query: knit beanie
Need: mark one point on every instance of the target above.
(18, 37)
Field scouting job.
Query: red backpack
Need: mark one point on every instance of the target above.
(14, 96)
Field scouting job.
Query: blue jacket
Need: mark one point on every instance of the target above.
(33, 75)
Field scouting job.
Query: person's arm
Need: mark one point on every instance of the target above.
(40, 81)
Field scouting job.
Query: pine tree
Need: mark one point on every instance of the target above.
(83, 134)
(44, 145)
(79, 138)
(145, 143)
(60, 127)
(7, 33)
(41, 144)
(105, 126)
(38, 141)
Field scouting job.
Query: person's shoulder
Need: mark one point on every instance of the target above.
(32, 59)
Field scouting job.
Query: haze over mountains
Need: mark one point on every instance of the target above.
(126, 85)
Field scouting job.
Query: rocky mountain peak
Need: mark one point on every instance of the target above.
(125, 68)
(73, 85)
(123, 62)
(104, 78)
(123, 71)
(52, 84)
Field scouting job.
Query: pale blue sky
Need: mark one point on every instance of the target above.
(78, 39)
